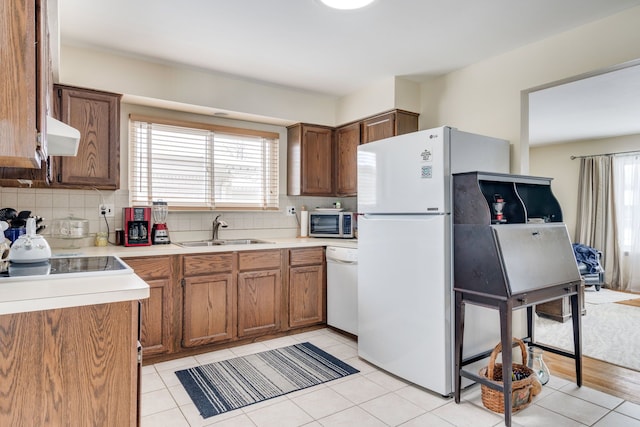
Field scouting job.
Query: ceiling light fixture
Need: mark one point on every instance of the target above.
(347, 4)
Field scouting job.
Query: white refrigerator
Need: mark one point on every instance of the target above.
(405, 297)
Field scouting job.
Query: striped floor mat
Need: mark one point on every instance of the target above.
(230, 384)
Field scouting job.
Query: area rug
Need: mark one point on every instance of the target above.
(609, 333)
(606, 296)
(234, 383)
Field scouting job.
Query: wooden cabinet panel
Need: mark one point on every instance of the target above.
(155, 329)
(209, 309)
(306, 256)
(156, 312)
(209, 299)
(306, 287)
(21, 373)
(97, 116)
(259, 295)
(195, 265)
(22, 65)
(347, 141)
(306, 296)
(397, 122)
(378, 127)
(309, 160)
(72, 366)
(257, 260)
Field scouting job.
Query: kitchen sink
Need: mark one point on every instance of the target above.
(205, 243)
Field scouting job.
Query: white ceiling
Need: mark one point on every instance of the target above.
(304, 45)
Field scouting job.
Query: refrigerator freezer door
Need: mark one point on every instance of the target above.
(404, 307)
(404, 174)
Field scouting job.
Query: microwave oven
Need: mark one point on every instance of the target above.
(332, 224)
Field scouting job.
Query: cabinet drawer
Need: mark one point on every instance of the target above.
(195, 265)
(257, 260)
(306, 256)
(150, 268)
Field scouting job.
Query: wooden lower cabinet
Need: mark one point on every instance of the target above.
(209, 299)
(209, 312)
(259, 292)
(157, 312)
(307, 290)
(70, 367)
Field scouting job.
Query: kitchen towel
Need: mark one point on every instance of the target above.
(234, 383)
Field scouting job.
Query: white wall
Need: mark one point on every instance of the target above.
(384, 95)
(485, 97)
(189, 86)
(554, 161)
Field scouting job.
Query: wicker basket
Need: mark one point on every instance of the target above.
(522, 391)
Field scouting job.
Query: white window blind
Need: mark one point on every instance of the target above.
(189, 167)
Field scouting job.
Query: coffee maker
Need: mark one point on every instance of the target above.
(160, 233)
(136, 222)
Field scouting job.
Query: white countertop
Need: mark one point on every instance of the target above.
(19, 296)
(173, 249)
(48, 292)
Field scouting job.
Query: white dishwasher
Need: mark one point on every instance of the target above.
(342, 288)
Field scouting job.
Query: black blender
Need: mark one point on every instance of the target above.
(159, 232)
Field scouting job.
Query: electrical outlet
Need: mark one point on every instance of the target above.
(106, 210)
(291, 210)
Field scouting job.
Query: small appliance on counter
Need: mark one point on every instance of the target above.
(30, 247)
(160, 233)
(331, 222)
(70, 230)
(136, 222)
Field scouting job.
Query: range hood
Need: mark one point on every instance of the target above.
(62, 139)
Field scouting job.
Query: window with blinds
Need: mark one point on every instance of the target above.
(202, 166)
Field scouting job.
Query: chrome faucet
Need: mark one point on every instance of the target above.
(216, 225)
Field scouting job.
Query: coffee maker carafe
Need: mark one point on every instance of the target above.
(160, 233)
(137, 222)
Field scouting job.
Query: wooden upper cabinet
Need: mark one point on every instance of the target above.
(309, 160)
(390, 124)
(313, 169)
(347, 141)
(23, 63)
(97, 116)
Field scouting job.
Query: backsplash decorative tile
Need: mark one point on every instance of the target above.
(58, 203)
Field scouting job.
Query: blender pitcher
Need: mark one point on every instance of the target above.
(159, 232)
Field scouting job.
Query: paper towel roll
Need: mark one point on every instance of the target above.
(304, 223)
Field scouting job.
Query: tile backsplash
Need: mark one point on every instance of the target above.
(57, 203)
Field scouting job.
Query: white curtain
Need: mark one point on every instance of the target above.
(627, 201)
(596, 225)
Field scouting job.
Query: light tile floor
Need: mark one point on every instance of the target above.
(369, 398)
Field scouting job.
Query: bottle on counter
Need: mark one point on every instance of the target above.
(304, 221)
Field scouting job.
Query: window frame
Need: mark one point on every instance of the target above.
(275, 136)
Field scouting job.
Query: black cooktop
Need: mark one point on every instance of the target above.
(66, 265)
